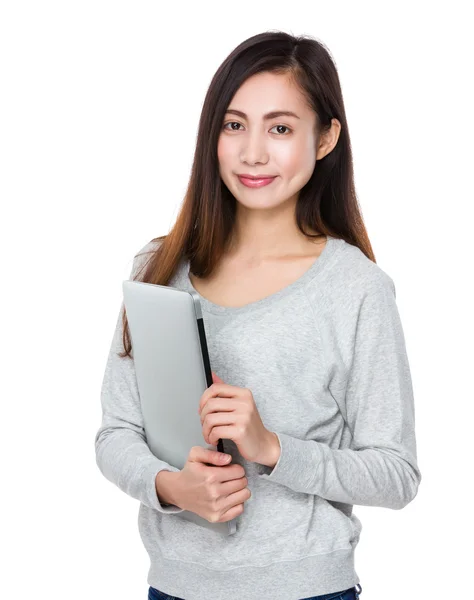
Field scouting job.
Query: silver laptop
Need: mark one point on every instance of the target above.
(173, 370)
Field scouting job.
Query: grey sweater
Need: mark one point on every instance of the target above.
(326, 362)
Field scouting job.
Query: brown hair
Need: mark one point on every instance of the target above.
(327, 203)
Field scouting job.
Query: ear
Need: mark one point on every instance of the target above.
(329, 139)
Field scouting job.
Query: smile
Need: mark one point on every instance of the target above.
(254, 183)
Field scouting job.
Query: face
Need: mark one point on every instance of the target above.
(283, 146)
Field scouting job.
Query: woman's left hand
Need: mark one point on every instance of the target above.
(229, 412)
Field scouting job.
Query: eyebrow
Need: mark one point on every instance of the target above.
(270, 115)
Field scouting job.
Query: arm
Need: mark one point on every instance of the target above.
(122, 453)
(380, 468)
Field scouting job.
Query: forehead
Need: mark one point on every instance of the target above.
(266, 92)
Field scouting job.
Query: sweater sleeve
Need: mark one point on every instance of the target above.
(375, 393)
(122, 452)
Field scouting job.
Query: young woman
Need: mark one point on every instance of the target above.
(312, 394)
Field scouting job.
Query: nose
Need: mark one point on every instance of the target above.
(254, 150)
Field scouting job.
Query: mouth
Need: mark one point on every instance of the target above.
(253, 182)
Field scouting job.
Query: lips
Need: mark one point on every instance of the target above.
(249, 182)
(259, 176)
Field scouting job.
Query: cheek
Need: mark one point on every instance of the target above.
(223, 150)
(295, 160)
(225, 161)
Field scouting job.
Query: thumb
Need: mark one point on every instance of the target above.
(216, 378)
(209, 456)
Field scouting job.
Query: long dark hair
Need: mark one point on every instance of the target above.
(327, 203)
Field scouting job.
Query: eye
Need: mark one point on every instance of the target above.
(231, 123)
(284, 126)
(237, 123)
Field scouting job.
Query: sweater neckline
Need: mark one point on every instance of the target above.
(316, 267)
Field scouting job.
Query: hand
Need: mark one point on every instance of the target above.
(229, 412)
(210, 487)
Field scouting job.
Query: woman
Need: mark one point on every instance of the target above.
(312, 393)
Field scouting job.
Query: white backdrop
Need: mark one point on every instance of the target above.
(99, 107)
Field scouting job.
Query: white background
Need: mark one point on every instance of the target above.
(100, 103)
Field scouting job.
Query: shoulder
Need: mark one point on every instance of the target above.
(352, 292)
(350, 280)
(143, 255)
(357, 274)
(149, 247)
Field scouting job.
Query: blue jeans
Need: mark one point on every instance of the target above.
(350, 594)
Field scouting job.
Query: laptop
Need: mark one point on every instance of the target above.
(173, 370)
